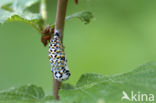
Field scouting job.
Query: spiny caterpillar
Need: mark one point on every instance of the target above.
(57, 59)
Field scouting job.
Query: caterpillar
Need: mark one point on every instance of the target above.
(57, 58)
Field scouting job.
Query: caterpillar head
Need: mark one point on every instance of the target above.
(61, 75)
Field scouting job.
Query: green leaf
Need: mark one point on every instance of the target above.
(16, 10)
(5, 2)
(18, 5)
(92, 88)
(67, 86)
(97, 88)
(7, 7)
(26, 94)
(84, 16)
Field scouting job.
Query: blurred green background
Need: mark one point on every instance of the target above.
(121, 37)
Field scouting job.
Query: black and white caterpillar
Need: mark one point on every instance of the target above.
(57, 59)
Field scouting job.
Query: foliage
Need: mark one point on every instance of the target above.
(27, 93)
(91, 88)
(17, 10)
(84, 16)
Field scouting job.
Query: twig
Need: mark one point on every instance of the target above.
(60, 20)
(43, 10)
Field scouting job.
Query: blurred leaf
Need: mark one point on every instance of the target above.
(18, 5)
(84, 16)
(26, 94)
(89, 78)
(91, 88)
(5, 2)
(7, 7)
(24, 4)
(67, 86)
(97, 88)
(15, 10)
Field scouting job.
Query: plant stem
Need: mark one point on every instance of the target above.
(59, 26)
(43, 10)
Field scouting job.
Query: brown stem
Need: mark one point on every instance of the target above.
(60, 20)
(56, 87)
